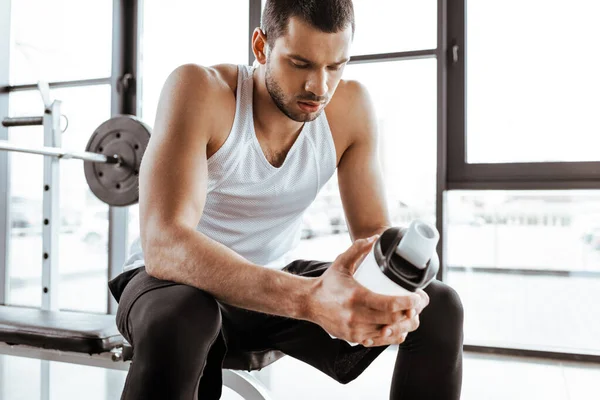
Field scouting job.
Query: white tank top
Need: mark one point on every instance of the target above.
(252, 207)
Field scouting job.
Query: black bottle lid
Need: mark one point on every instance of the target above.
(396, 268)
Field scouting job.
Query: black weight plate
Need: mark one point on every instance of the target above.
(127, 137)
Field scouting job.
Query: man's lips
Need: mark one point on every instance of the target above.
(309, 106)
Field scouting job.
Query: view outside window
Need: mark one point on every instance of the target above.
(524, 260)
(389, 26)
(60, 40)
(532, 94)
(404, 26)
(180, 32)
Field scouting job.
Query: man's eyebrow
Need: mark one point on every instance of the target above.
(305, 60)
(345, 60)
(300, 58)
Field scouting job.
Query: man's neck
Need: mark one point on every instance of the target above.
(269, 121)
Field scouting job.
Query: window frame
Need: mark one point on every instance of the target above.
(509, 176)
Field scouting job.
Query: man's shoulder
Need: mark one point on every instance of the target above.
(216, 78)
(210, 91)
(228, 74)
(350, 90)
(349, 106)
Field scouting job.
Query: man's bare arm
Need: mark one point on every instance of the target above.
(359, 172)
(173, 183)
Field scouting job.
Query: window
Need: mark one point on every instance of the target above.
(404, 95)
(385, 26)
(180, 32)
(532, 93)
(84, 218)
(60, 40)
(527, 267)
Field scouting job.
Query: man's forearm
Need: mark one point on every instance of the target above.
(190, 257)
(366, 233)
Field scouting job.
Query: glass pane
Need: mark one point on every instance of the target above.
(534, 259)
(83, 256)
(60, 40)
(179, 32)
(406, 113)
(388, 26)
(532, 88)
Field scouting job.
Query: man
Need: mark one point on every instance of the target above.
(237, 155)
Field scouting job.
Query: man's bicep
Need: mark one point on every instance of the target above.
(173, 175)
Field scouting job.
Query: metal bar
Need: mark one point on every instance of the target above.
(456, 89)
(45, 380)
(253, 22)
(118, 227)
(442, 149)
(123, 78)
(127, 31)
(103, 360)
(526, 272)
(3, 378)
(524, 185)
(547, 354)
(245, 385)
(5, 224)
(51, 206)
(404, 55)
(22, 121)
(4, 88)
(60, 153)
(527, 172)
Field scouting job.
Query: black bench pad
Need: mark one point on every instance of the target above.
(59, 330)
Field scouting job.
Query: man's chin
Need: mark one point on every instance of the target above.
(304, 116)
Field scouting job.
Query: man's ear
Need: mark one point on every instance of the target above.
(260, 47)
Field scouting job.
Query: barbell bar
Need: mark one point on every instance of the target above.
(112, 157)
(60, 153)
(22, 121)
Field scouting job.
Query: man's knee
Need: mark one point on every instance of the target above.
(444, 297)
(444, 314)
(174, 316)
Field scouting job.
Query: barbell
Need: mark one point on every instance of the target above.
(111, 158)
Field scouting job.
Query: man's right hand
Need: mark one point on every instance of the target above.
(349, 311)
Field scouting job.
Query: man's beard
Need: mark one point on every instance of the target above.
(278, 97)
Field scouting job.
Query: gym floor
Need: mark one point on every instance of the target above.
(485, 377)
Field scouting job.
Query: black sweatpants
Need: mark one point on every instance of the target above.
(182, 337)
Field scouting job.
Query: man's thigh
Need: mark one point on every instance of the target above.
(251, 331)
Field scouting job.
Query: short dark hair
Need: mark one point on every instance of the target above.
(326, 15)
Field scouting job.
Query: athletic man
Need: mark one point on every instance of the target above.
(237, 154)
